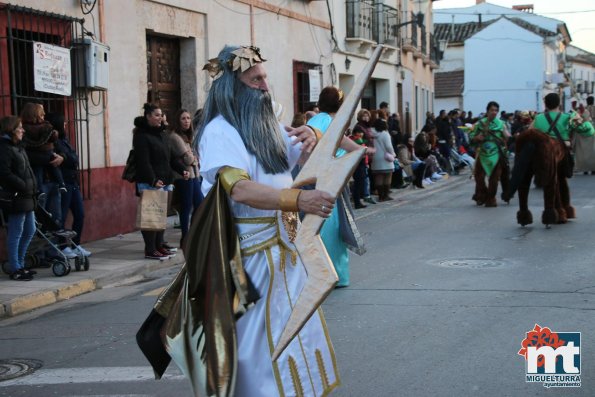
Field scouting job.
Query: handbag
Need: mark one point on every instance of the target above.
(129, 173)
(6, 199)
(568, 164)
(347, 228)
(151, 214)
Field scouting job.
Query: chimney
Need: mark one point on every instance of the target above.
(479, 1)
(524, 7)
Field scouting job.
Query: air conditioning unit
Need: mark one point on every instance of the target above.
(92, 59)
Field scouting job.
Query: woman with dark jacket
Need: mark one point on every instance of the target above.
(154, 168)
(72, 198)
(17, 177)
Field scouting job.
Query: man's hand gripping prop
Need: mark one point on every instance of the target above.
(330, 175)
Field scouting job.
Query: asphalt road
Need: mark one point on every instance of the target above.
(438, 306)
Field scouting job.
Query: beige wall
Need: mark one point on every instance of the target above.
(204, 27)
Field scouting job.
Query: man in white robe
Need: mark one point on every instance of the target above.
(241, 141)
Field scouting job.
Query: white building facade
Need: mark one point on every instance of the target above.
(508, 56)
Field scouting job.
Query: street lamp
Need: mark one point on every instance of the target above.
(442, 46)
(347, 63)
(418, 19)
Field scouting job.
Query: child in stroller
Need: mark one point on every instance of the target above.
(48, 237)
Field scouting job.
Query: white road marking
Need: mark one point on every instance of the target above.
(59, 376)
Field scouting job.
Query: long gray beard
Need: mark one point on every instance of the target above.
(259, 129)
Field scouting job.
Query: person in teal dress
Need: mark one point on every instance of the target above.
(329, 102)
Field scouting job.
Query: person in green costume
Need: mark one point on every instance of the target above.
(566, 123)
(540, 153)
(489, 138)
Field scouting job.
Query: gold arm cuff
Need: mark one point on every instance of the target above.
(288, 200)
(316, 132)
(230, 176)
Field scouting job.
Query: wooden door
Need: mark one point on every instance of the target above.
(163, 73)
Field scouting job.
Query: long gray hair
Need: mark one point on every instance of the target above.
(250, 112)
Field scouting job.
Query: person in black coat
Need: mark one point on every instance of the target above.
(72, 198)
(154, 168)
(17, 180)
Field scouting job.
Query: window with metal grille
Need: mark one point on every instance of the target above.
(20, 27)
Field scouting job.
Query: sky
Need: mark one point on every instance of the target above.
(579, 15)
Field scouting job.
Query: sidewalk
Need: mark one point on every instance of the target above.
(121, 257)
(112, 260)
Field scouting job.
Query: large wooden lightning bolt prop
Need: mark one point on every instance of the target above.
(330, 175)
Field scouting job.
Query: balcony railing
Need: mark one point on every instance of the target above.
(385, 31)
(360, 19)
(372, 21)
(424, 46)
(414, 30)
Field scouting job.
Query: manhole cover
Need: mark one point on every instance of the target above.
(17, 367)
(472, 263)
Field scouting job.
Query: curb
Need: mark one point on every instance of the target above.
(36, 300)
(418, 194)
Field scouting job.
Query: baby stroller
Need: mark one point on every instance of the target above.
(48, 236)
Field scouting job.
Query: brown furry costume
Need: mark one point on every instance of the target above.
(487, 194)
(541, 156)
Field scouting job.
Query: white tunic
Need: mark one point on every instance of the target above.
(308, 366)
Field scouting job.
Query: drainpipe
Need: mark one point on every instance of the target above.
(106, 135)
(251, 22)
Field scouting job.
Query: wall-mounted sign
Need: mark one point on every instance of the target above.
(314, 77)
(51, 69)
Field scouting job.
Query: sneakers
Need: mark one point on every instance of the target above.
(69, 253)
(427, 181)
(21, 275)
(169, 247)
(370, 200)
(436, 176)
(167, 252)
(156, 255)
(82, 251)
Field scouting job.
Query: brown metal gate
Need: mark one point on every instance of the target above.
(19, 28)
(163, 73)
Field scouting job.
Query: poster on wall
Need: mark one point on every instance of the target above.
(51, 69)
(314, 77)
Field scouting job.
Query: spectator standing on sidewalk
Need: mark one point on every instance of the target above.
(154, 168)
(383, 160)
(444, 135)
(16, 176)
(361, 174)
(188, 190)
(72, 198)
(39, 139)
